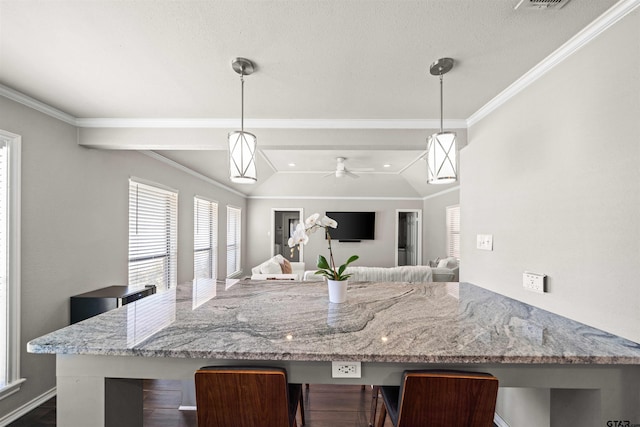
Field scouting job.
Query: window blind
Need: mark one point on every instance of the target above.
(234, 224)
(153, 235)
(205, 239)
(453, 231)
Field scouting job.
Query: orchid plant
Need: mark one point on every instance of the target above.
(301, 237)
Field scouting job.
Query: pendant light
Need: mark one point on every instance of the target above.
(242, 145)
(441, 146)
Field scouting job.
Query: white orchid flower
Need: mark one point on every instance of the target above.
(328, 222)
(299, 237)
(312, 220)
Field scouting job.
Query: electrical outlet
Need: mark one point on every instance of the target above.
(345, 370)
(533, 282)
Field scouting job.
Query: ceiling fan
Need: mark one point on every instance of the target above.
(342, 171)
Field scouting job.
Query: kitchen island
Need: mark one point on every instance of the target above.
(388, 327)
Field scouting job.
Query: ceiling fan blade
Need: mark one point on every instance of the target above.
(351, 174)
(328, 175)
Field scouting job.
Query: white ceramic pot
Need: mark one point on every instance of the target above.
(337, 290)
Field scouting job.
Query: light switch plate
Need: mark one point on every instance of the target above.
(485, 242)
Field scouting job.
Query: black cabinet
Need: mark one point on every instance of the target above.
(89, 304)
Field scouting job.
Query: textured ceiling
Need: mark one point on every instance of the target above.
(334, 59)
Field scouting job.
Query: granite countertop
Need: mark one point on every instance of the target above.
(380, 322)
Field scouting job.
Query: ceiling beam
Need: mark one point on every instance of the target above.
(268, 139)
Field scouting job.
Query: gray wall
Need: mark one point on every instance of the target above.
(554, 176)
(434, 231)
(75, 227)
(378, 252)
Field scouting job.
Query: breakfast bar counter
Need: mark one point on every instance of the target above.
(388, 327)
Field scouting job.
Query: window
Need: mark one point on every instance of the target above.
(205, 239)
(153, 235)
(234, 223)
(9, 264)
(453, 231)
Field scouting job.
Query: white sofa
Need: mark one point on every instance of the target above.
(277, 265)
(445, 270)
(407, 273)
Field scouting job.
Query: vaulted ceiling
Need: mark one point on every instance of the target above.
(334, 78)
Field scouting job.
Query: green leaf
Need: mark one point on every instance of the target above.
(322, 262)
(351, 259)
(341, 269)
(327, 273)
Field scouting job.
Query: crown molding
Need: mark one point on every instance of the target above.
(440, 193)
(331, 198)
(33, 103)
(357, 172)
(191, 172)
(588, 33)
(202, 123)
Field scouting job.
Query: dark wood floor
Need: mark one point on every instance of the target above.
(325, 406)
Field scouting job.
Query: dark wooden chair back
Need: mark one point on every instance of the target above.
(244, 397)
(447, 399)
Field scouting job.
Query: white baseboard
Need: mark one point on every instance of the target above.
(27, 407)
(497, 420)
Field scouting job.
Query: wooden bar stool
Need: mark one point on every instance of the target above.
(246, 397)
(440, 399)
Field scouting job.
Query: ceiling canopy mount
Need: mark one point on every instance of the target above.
(441, 66)
(243, 66)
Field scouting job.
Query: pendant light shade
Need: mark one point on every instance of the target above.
(242, 157)
(242, 145)
(441, 158)
(441, 146)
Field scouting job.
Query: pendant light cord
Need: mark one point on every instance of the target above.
(441, 102)
(242, 100)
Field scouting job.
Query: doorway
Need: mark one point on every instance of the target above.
(284, 222)
(408, 237)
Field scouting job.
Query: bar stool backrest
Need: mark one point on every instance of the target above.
(447, 399)
(242, 397)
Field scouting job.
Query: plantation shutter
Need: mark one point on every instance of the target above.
(205, 239)
(453, 231)
(234, 223)
(10, 188)
(153, 235)
(4, 258)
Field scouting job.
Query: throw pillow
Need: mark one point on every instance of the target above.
(442, 263)
(271, 267)
(286, 267)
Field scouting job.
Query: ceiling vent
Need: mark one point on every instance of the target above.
(541, 4)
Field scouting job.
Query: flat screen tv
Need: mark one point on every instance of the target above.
(353, 226)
